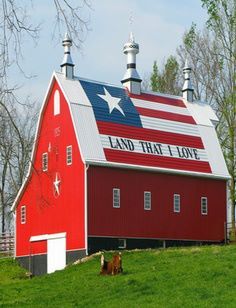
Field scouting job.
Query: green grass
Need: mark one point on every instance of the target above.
(184, 277)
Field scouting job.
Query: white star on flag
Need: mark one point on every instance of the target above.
(56, 184)
(112, 102)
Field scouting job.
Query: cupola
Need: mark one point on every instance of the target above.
(131, 79)
(67, 66)
(187, 87)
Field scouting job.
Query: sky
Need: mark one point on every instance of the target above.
(158, 26)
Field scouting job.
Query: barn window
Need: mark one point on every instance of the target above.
(116, 197)
(23, 214)
(56, 103)
(204, 209)
(122, 243)
(45, 161)
(176, 203)
(69, 155)
(147, 200)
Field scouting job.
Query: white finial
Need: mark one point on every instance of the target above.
(131, 20)
(67, 65)
(131, 37)
(187, 87)
(67, 43)
(186, 64)
(67, 38)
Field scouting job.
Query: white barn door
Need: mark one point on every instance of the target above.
(56, 256)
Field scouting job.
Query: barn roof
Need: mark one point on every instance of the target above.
(148, 131)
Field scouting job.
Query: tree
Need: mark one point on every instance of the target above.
(212, 53)
(16, 130)
(16, 139)
(167, 80)
(69, 16)
(154, 80)
(16, 25)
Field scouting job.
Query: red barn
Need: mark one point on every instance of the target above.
(114, 167)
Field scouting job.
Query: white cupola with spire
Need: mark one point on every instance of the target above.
(187, 87)
(131, 79)
(67, 66)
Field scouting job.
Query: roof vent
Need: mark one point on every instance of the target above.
(67, 66)
(187, 87)
(131, 78)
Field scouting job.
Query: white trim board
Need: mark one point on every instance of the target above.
(44, 237)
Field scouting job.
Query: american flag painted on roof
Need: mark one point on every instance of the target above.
(147, 130)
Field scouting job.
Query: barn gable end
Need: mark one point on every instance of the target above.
(53, 195)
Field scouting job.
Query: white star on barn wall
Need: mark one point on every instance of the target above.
(56, 185)
(112, 102)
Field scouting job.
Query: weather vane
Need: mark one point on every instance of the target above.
(131, 19)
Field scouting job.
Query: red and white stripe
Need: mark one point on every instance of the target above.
(166, 121)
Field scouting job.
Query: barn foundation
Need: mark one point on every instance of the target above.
(37, 264)
(106, 243)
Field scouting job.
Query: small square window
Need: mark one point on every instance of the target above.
(23, 214)
(176, 203)
(122, 243)
(45, 161)
(69, 155)
(204, 207)
(147, 200)
(116, 197)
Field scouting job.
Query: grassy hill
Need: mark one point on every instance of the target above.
(184, 277)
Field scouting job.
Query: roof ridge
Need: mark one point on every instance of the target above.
(105, 83)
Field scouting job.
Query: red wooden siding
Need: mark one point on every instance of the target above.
(131, 220)
(47, 214)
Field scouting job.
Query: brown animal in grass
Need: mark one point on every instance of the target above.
(112, 267)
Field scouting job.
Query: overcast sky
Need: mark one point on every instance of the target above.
(158, 27)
